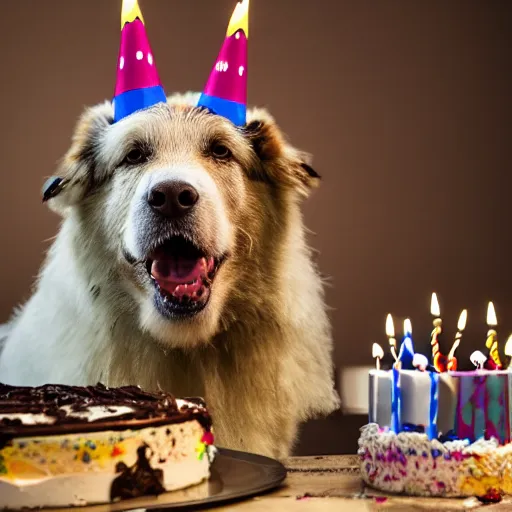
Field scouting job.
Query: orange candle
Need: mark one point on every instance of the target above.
(438, 360)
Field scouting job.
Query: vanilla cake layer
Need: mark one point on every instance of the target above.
(93, 449)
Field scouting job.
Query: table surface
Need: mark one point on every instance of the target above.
(333, 483)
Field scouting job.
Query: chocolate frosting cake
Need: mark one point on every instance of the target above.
(63, 404)
(96, 444)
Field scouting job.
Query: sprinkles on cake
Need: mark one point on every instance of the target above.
(436, 431)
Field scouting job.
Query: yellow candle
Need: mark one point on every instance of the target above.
(461, 325)
(436, 353)
(492, 336)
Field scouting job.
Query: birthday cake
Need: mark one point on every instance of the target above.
(63, 446)
(434, 430)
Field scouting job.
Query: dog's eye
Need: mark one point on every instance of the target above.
(220, 151)
(135, 156)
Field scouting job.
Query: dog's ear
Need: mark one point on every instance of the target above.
(77, 169)
(281, 163)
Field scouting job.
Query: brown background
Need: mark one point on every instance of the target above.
(405, 105)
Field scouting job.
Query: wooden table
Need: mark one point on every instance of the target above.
(332, 483)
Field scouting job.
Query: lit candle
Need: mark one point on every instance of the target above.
(508, 352)
(390, 333)
(378, 354)
(461, 325)
(478, 359)
(406, 353)
(492, 337)
(438, 360)
(379, 409)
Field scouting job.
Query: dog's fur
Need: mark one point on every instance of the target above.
(260, 351)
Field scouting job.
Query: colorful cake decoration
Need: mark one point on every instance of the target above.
(420, 362)
(434, 429)
(138, 84)
(202, 446)
(478, 359)
(225, 93)
(472, 407)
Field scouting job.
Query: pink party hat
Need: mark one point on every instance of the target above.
(225, 93)
(138, 84)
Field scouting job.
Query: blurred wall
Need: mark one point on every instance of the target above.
(405, 106)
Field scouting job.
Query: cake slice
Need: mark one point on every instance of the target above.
(67, 445)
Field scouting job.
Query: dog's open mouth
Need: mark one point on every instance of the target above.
(183, 275)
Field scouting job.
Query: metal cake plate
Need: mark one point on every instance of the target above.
(234, 476)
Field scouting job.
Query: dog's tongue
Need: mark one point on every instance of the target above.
(172, 271)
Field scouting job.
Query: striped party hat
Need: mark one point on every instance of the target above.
(137, 85)
(225, 93)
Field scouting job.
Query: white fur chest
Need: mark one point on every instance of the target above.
(61, 334)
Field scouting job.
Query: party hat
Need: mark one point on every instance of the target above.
(137, 85)
(225, 93)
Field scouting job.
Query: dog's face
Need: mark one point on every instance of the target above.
(191, 211)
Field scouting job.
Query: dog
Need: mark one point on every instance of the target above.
(182, 264)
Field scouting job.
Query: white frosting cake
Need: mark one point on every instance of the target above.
(413, 464)
(439, 434)
(62, 446)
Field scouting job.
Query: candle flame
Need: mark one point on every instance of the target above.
(390, 326)
(461, 324)
(508, 346)
(130, 11)
(420, 361)
(377, 351)
(407, 327)
(478, 358)
(434, 306)
(491, 315)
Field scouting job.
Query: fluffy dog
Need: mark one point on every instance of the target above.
(181, 263)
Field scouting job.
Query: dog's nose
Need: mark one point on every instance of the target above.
(172, 198)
